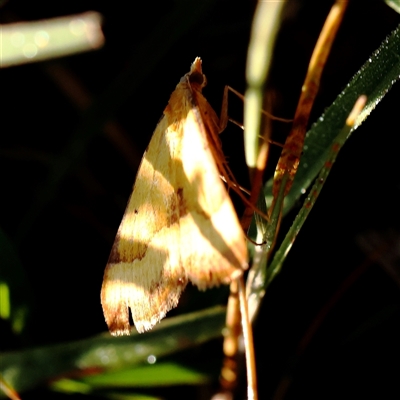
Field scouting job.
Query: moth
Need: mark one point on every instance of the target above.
(179, 224)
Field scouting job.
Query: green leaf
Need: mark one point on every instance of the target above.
(159, 374)
(266, 23)
(15, 292)
(309, 202)
(395, 4)
(41, 40)
(374, 79)
(28, 368)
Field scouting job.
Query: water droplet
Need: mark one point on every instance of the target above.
(30, 50)
(77, 27)
(151, 359)
(41, 39)
(140, 349)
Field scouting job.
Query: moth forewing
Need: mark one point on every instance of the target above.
(212, 242)
(179, 224)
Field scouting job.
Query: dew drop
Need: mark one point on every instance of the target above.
(41, 39)
(77, 27)
(151, 359)
(30, 50)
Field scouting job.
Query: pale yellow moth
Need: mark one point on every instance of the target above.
(179, 224)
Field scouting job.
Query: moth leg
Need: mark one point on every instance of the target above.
(224, 110)
(223, 119)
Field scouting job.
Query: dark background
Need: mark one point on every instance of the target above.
(63, 225)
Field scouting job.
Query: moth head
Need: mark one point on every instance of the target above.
(195, 76)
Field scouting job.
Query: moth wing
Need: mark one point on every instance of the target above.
(213, 248)
(179, 224)
(144, 271)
